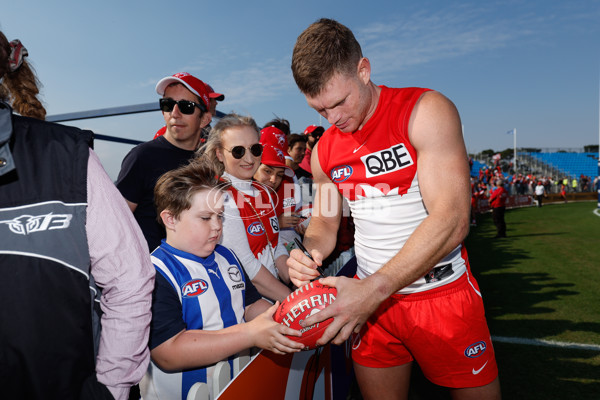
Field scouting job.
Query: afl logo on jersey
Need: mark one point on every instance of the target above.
(475, 350)
(341, 173)
(385, 161)
(194, 288)
(255, 229)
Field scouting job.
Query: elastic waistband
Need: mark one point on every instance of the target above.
(459, 284)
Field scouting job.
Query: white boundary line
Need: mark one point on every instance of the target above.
(546, 343)
(597, 211)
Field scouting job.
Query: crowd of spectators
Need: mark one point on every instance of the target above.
(524, 184)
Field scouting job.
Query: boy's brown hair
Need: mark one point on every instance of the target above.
(174, 189)
(326, 47)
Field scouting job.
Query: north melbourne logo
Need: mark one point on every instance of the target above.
(26, 224)
(385, 161)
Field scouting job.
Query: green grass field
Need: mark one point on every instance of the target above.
(542, 282)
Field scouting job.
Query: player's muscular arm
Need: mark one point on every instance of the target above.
(443, 173)
(321, 235)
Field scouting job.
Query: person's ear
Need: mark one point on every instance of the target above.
(168, 219)
(205, 119)
(364, 70)
(220, 155)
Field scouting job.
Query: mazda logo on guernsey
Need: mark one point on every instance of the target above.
(256, 229)
(194, 288)
(340, 173)
(388, 160)
(476, 349)
(234, 273)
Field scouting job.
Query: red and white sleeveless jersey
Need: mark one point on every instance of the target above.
(375, 169)
(253, 205)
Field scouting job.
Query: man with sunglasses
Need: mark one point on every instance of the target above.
(185, 106)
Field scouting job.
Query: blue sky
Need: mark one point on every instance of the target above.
(531, 65)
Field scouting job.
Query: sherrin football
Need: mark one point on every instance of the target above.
(301, 304)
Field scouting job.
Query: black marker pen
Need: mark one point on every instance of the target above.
(301, 247)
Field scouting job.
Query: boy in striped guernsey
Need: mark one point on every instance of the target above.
(202, 296)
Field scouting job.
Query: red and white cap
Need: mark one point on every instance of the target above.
(273, 157)
(193, 84)
(317, 130)
(275, 137)
(214, 95)
(160, 132)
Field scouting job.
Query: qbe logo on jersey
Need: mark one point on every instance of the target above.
(385, 161)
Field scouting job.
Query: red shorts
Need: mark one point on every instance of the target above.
(443, 329)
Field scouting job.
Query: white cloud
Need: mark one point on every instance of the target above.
(421, 38)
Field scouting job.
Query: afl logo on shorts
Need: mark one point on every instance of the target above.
(475, 350)
(255, 229)
(341, 173)
(194, 288)
(385, 161)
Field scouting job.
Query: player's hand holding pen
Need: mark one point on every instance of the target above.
(304, 266)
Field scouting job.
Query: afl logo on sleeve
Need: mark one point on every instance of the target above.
(388, 160)
(255, 229)
(340, 173)
(194, 288)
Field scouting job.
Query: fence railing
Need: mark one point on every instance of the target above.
(220, 380)
(111, 112)
(222, 371)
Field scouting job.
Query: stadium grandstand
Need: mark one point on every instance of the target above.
(551, 166)
(572, 165)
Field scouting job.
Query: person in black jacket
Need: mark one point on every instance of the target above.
(76, 279)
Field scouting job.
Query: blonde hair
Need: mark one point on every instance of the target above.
(215, 139)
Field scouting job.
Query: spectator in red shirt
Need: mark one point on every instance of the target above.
(313, 133)
(498, 203)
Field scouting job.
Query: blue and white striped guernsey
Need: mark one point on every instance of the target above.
(211, 291)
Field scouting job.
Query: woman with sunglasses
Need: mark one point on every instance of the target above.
(250, 226)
